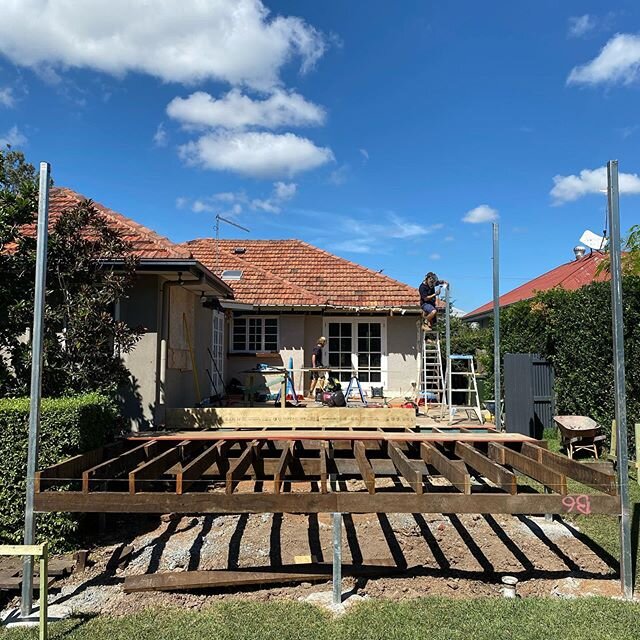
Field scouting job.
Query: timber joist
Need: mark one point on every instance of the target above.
(317, 471)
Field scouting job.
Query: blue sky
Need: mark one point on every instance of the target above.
(371, 129)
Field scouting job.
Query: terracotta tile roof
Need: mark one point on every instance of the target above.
(293, 273)
(146, 243)
(570, 276)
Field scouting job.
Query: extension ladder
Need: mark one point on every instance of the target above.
(470, 389)
(432, 384)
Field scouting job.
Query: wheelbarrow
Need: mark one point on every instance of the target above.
(579, 433)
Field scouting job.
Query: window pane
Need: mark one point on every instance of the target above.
(364, 376)
(376, 360)
(363, 330)
(346, 329)
(363, 360)
(334, 329)
(270, 345)
(375, 345)
(271, 322)
(334, 344)
(334, 360)
(376, 376)
(375, 329)
(363, 345)
(345, 344)
(345, 360)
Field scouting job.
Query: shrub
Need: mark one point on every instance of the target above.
(572, 329)
(68, 426)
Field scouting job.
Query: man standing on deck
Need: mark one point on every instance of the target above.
(428, 299)
(316, 363)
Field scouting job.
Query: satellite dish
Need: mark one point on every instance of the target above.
(593, 241)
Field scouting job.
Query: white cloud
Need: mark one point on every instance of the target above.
(199, 206)
(14, 137)
(365, 154)
(588, 181)
(235, 41)
(160, 136)
(448, 238)
(238, 111)
(256, 154)
(581, 25)
(483, 213)
(181, 202)
(340, 175)
(284, 190)
(7, 99)
(617, 63)
(434, 256)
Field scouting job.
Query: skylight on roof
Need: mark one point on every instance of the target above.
(232, 274)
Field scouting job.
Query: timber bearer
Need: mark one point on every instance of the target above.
(428, 299)
(316, 363)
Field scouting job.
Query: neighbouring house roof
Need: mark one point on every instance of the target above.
(292, 273)
(570, 276)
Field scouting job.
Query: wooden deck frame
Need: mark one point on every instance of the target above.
(198, 475)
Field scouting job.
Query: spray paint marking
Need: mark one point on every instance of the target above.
(581, 504)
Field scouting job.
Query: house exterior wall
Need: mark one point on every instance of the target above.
(298, 335)
(403, 343)
(142, 308)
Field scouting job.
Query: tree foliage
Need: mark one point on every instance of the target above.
(572, 329)
(89, 268)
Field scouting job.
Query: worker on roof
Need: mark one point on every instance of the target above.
(428, 299)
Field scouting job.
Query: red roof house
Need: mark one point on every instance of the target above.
(570, 276)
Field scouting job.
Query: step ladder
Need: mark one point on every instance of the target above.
(354, 384)
(463, 381)
(432, 383)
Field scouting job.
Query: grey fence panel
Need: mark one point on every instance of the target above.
(528, 394)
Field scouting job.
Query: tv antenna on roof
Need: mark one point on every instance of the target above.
(219, 219)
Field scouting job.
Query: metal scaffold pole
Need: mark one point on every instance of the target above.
(337, 558)
(447, 317)
(626, 563)
(496, 325)
(36, 384)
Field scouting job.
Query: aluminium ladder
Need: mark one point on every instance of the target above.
(470, 389)
(432, 384)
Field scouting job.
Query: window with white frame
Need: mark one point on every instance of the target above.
(253, 333)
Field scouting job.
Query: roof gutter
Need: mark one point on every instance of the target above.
(189, 265)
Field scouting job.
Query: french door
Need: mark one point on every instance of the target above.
(216, 366)
(358, 346)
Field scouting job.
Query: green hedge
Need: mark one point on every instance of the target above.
(68, 426)
(573, 330)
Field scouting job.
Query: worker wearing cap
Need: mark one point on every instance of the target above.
(428, 298)
(316, 363)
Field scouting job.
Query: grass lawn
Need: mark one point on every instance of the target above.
(432, 618)
(604, 530)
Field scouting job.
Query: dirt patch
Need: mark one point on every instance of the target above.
(456, 556)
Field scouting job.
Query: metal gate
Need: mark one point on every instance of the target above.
(528, 394)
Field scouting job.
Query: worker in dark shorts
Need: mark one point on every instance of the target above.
(316, 363)
(428, 299)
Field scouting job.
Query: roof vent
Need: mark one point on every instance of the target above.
(239, 250)
(579, 251)
(231, 274)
